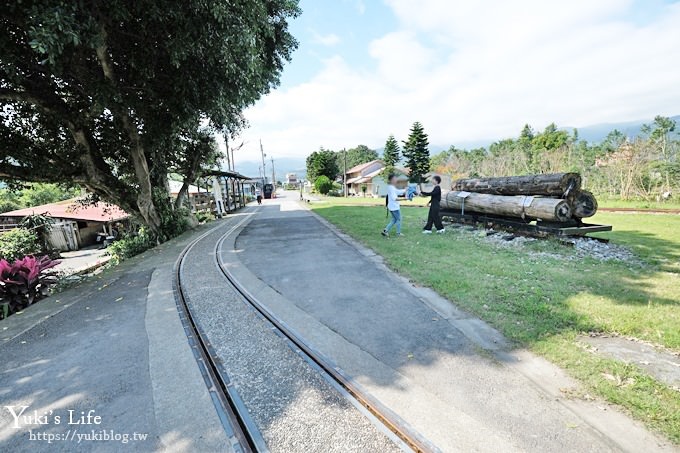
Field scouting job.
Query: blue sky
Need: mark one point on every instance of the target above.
(330, 27)
(467, 70)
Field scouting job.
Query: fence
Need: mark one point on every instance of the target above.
(63, 236)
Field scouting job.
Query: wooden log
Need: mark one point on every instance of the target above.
(582, 203)
(551, 185)
(519, 206)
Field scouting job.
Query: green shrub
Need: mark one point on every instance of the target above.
(130, 246)
(41, 225)
(173, 221)
(17, 243)
(8, 205)
(205, 216)
(323, 185)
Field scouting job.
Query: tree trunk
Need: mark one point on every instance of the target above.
(182, 195)
(552, 185)
(145, 201)
(147, 209)
(582, 203)
(519, 206)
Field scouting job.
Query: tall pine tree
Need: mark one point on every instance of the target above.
(416, 153)
(391, 154)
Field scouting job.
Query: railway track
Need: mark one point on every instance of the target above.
(238, 423)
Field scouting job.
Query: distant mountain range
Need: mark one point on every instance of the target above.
(599, 132)
(282, 165)
(593, 134)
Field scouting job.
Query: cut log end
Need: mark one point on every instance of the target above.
(583, 204)
(563, 212)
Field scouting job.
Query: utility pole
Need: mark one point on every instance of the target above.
(273, 174)
(264, 166)
(226, 144)
(344, 173)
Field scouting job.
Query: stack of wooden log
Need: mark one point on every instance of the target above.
(554, 197)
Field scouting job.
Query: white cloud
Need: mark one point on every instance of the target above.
(330, 39)
(477, 70)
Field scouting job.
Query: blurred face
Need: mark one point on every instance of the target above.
(393, 180)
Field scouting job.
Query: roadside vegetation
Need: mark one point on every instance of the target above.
(34, 195)
(641, 168)
(544, 299)
(154, 113)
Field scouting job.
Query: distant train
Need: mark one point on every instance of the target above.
(268, 190)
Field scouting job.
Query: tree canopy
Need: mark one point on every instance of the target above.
(416, 153)
(34, 195)
(322, 163)
(109, 94)
(391, 153)
(646, 166)
(356, 156)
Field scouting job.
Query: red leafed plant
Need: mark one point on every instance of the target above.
(24, 282)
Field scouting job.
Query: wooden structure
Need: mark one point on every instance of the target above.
(233, 193)
(517, 206)
(551, 185)
(76, 225)
(549, 204)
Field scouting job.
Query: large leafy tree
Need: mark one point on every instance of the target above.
(391, 153)
(416, 153)
(356, 156)
(101, 93)
(322, 163)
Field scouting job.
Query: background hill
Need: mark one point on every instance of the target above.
(594, 133)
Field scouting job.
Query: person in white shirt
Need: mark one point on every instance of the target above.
(393, 206)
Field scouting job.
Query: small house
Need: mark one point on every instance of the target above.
(368, 176)
(75, 225)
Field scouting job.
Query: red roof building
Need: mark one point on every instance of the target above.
(75, 225)
(70, 209)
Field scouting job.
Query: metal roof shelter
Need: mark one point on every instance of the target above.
(233, 192)
(70, 209)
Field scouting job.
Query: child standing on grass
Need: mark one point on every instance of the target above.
(393, 206)
(433, 215)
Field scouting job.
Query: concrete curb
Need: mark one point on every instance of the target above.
(89, 269)
(176, 394)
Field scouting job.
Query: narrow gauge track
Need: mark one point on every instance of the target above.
(234, 415)
(246, 438)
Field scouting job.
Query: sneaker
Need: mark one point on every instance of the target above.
(427, 231)
(442, 231)
(385, 233)
(401, 235)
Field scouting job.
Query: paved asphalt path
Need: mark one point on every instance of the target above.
(117, 351)
(461, 395)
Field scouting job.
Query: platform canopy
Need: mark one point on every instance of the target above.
(226, 174)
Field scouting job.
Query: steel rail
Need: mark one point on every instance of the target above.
(230, 408)
(389, 419)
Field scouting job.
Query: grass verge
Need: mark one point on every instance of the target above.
(541, 299)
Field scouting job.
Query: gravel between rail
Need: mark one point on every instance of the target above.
(292, 405)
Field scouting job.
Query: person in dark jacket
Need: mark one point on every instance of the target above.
(433, 216)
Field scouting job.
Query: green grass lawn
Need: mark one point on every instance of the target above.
(366, 201)
(541, 299)
(637, 204)
(420, 201)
